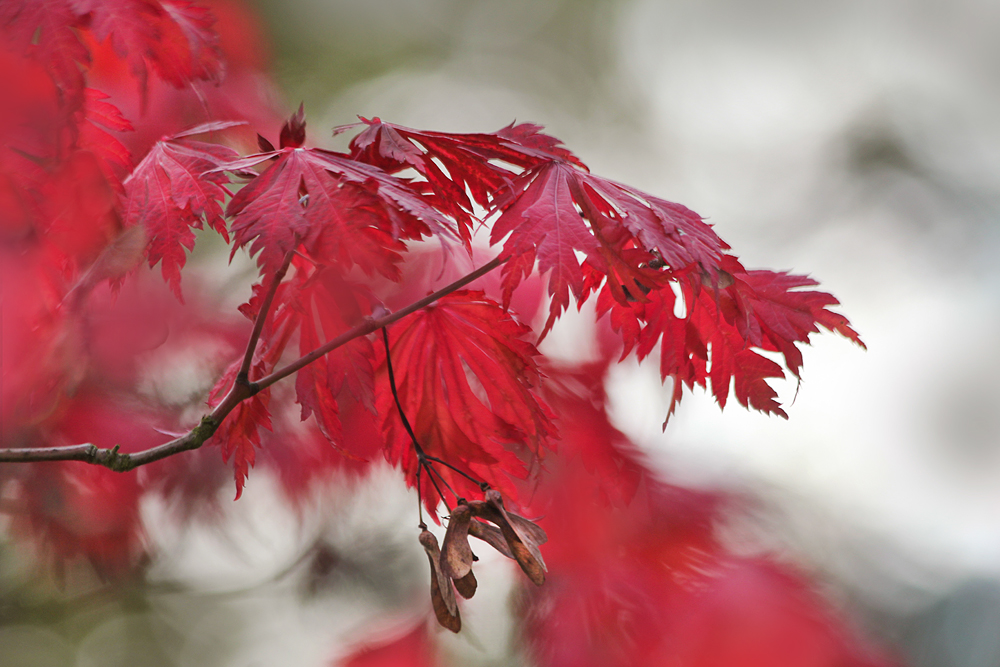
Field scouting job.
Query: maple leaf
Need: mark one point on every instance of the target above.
(647, 582)
(173, 190)
(88, 511)
(555, 210)
(467, 382)
(102, 118)
(341, 211)
(45, 31)
(577, 395)
(715, 338)
(175, 37)
(452, 164)
(327, 306)
(239, 433)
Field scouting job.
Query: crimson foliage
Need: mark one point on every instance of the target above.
(458, 397)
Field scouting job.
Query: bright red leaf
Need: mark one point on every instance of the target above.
(467, 381)
(554, 210)
(239, 433)
(715, 337)
(328, 306)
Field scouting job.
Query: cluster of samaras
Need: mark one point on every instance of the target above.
(451, 565)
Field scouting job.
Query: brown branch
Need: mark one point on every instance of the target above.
(243, 376)
(374, 324)
(118, 461)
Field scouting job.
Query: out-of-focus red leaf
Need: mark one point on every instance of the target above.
(175, 37)
(577, 396)
(102, 118)
(413, 649)
(327, 306)
(74, 510)
(45, 31)
(646, 583)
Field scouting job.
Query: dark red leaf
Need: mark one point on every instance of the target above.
(293, 132)
(339, 210)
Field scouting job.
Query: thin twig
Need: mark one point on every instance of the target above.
(432, 469)
(258, 325)
(420, 500)
(118, 461)
(440, 493)
(483, 485)
(374, 324)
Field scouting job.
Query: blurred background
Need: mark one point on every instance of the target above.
(855, 141)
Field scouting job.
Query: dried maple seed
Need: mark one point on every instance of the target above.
(491, 535)
(456, 554)
(522, 545)
(466, 586)
(442, 594)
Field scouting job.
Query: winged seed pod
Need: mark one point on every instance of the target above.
(521, 536)
(467, 585)
(456, 554)
(491, 535)
(442, 593)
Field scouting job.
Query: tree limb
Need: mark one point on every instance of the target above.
(118, 461)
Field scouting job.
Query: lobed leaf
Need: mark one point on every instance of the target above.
(467, 381)
(176, 188)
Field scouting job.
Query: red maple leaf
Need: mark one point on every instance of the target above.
(467, 381)
(555, 210)
(173, 36)
(327, 306)
(452, 164)
(577, 396)
(45, 31)
(239, 433)
(722, 325)
(102, 118)
(341, 211)
(647, 582)
(172, 191)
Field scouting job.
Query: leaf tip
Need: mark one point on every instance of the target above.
(293, 132)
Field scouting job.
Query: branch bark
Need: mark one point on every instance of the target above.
(118, 461)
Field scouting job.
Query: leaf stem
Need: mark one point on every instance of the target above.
(430, 476)
(395, 395)
(483, 485)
